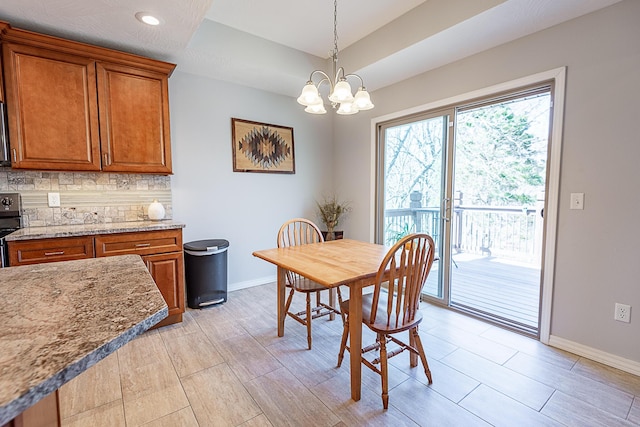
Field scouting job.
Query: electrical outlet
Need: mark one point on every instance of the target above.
(623, 313)
(54, 200)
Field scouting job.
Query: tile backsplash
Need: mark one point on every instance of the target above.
(85, 197)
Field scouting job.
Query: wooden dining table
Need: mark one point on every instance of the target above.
(337, 262)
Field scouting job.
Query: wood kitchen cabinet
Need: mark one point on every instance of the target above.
(161, 250)
(1, 82)
(77, 107)
(46, 412)
(38, 251)
(134, 119)
(52, 105)
(167, 271)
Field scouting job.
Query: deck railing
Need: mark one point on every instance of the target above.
(497, 231)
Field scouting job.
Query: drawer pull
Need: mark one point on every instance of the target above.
(54, 253)
(143, 245)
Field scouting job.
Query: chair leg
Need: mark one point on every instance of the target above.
(413, 358)
(332, 302)
(340, 305)
(308, 320)
(289, 299)
(287, 305)
(423, 356)
(343, 343)
(383, 370)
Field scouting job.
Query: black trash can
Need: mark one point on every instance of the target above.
(205, 270)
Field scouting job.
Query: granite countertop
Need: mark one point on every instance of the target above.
(49, 232)
(58, 319)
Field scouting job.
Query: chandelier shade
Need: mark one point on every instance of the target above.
(341, 92)
(309, 94)
(340, 95)
(347, 108)
(317, 107)
(362, 100)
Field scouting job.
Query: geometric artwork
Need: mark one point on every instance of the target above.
(261, 147)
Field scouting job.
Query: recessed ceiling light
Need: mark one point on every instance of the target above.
(147, 18)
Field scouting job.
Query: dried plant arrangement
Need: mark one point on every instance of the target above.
(331, 211)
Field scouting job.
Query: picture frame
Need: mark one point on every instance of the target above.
(262, 147)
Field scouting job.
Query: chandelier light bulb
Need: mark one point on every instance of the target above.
(362, 100)
(341, 92)
(309, 95)
(317, 108)
(347, 108)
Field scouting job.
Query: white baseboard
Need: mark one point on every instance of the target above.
(251, 283)
(608, 359)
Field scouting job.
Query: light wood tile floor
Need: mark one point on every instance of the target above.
(226, 366)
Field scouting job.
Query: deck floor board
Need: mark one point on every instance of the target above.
(495, 287)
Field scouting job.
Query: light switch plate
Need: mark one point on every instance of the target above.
(54, 200)
(577, 201)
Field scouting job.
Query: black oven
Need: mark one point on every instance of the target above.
(4, 256)
(10, 221)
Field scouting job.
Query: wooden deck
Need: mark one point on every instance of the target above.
(495, 288)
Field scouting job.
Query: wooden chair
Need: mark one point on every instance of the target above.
(395, 310)
(300, 231)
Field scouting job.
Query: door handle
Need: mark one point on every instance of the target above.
(446, 209)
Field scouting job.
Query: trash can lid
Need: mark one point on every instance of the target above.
(206, 245)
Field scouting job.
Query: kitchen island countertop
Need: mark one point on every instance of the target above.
(55, 231)
(58, 319)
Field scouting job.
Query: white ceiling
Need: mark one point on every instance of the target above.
(308, 25)
(274, 44)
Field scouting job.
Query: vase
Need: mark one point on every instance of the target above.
(332, 235)
(156, 211)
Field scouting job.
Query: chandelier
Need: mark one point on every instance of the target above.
(339, 89)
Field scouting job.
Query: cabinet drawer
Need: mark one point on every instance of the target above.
(141, 243)
(50, 250)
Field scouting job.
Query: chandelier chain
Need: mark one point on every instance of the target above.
(335, 30)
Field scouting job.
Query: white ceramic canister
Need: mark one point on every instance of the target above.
(156, 211)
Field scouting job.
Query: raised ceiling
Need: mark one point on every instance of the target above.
(273, 45)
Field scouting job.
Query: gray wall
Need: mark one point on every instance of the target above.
(596, 255)
(245, 208)
(597, 248)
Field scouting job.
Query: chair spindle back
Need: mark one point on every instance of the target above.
(298, 231)
(408, 264)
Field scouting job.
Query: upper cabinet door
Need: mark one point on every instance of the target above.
(52, 107)
(134, 119)
(1, 82)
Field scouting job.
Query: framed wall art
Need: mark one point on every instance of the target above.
(261, 147)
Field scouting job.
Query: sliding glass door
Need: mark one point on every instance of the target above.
(413, 194)
(473, 177)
